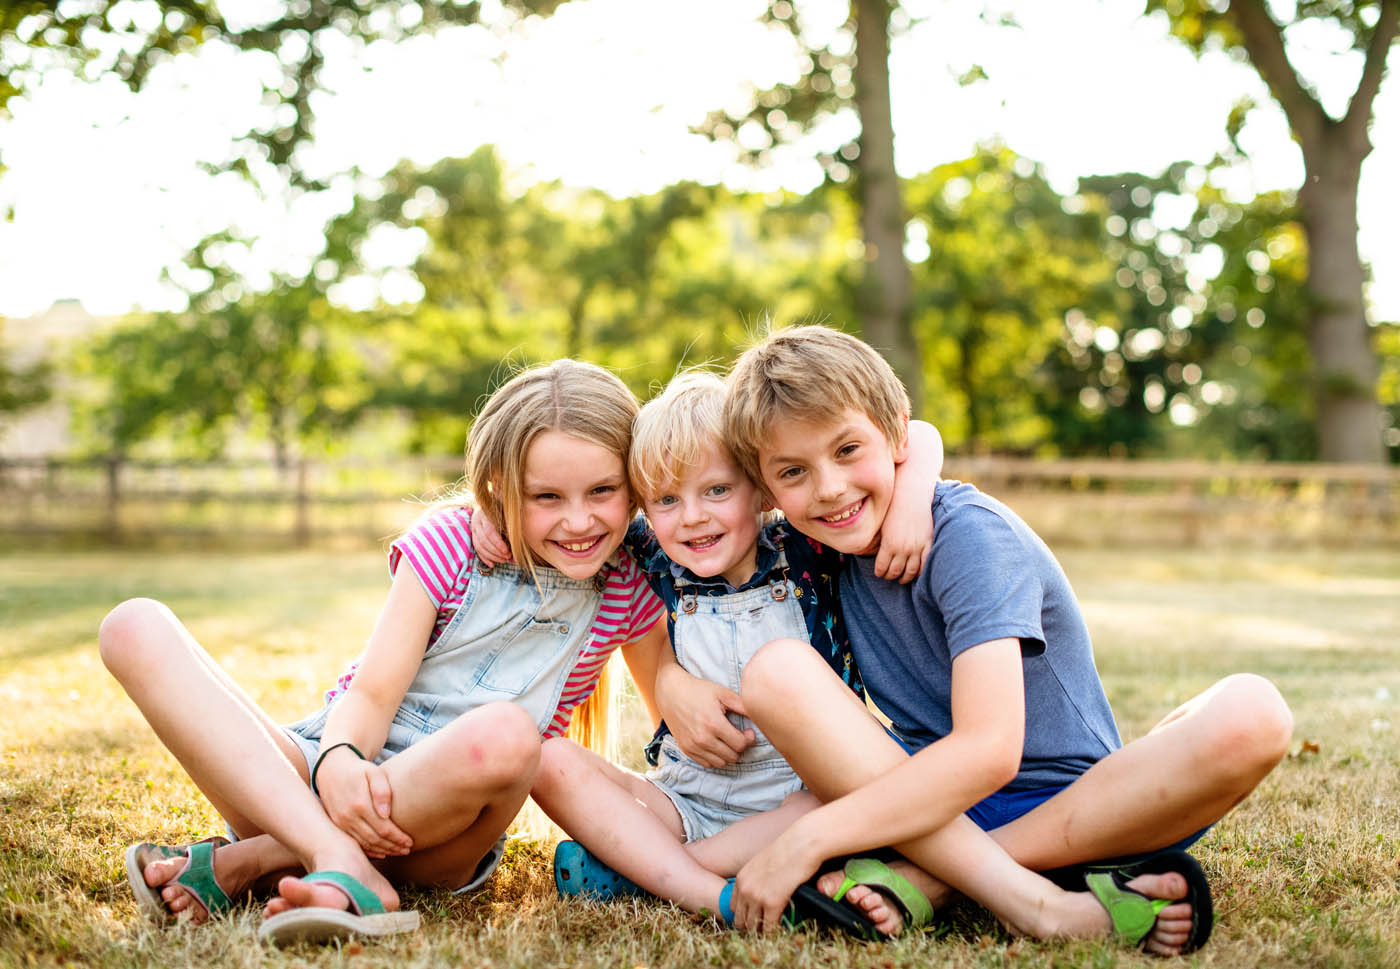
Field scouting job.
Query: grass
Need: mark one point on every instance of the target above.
(1306, 872)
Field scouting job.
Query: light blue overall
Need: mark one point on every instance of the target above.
(715, 636)
(511, 639)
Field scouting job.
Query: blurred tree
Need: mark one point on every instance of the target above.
(22, 386)
(131, 37)
(850, 73)
(636, 284)
(276, 365)
(997, 260)
(1194, 345)
(1339, 337)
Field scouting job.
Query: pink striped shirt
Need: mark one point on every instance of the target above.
(439, 550)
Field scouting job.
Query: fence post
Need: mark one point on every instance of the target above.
(114, 500)
(301, 531)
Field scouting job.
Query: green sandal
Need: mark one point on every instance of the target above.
(366, 916)
(890, 883)
(1133, 914)
(197, 877)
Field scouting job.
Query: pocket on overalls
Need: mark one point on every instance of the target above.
(515, 666)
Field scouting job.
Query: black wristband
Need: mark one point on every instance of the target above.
(324, 752)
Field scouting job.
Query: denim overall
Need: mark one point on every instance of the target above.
(715, 635)
(510, 640)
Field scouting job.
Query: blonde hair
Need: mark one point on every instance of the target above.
(808, 373)
(579, 399)
(674, 430)
(575, 398)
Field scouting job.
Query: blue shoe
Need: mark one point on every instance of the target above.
(576, 872)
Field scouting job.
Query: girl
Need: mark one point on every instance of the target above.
(426, 751)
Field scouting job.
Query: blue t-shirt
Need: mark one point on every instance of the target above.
(988, 577)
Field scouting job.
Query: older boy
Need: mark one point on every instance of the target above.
(1002, 757)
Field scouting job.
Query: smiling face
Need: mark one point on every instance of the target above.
(709, 520)
(574, 504)
(832, 479)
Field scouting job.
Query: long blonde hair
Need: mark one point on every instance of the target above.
(576, 398)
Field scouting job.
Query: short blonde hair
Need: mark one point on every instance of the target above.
(579, 399)
(674, 429)
(809, 373)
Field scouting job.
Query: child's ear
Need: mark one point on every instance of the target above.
(901, 450)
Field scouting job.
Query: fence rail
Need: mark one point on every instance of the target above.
(1067, 501)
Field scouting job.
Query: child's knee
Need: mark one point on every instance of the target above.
(1260, 725)
(502, 748)
(768, 676)
(127, 630)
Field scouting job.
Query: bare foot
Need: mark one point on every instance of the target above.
(293, 892)
(230, 875)
(875, 905)
(1088, 918)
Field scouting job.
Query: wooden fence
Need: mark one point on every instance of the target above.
(1082, 502)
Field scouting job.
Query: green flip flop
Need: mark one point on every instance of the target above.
(1134, 914)
(197, 877)
(873, 872)
(366, 916)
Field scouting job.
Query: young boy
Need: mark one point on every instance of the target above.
(730, 584)
(1002, 758)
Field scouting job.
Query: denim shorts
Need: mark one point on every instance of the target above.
(710, 799)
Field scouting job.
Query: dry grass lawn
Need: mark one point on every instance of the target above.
(1306, 872)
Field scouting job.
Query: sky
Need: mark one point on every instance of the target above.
(106, 190)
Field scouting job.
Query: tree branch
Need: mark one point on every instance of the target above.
(1358, 116)
(1263, 39)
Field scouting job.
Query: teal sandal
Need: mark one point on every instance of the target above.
(197, 877)
(1134, 914)
(366, 916)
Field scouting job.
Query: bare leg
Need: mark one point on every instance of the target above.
(725, 853)
(1200, 761)
(626, 821)
(251, 772)
(454, 793)
(1193, 767)
(785, 685)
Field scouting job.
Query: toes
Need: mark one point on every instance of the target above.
(299, 894)
(1166, 885)
(157, 873)
(830, 883)
(276, 905)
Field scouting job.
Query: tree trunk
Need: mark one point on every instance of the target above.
(1344, 356)
(1342, 344)
(885, 294)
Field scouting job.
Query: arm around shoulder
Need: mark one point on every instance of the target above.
(906, 537)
